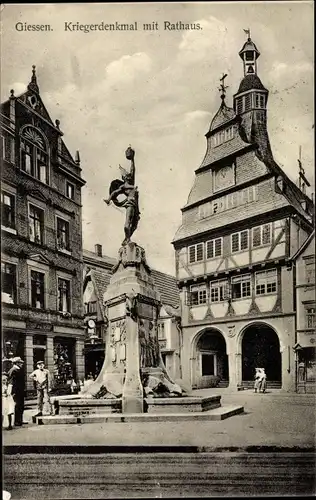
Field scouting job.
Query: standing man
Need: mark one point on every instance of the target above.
(41, 377)
(16, 378)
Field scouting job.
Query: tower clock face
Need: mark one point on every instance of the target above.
(224, 177)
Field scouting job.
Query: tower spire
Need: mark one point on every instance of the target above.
(33, 83)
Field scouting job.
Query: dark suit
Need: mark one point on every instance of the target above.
(17, 379)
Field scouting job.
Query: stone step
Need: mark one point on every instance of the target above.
(220, 413)
(271, 384)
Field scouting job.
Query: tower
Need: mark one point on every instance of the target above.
(250, 101)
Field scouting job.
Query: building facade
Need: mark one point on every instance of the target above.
(41, 259)
(305, 347)
(97, 274)
(243, 221)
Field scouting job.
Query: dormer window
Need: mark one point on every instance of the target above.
(223, 136)
(259, 101)
(34, 154)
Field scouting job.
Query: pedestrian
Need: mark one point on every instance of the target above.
(7, 401)
(260, 380)
(257, 380)
(41, 377)
(73, 386)
(263, 385)
(17, 380)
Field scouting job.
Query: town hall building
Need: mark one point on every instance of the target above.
(243, 222)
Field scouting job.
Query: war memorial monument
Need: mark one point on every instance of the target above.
(133, 383)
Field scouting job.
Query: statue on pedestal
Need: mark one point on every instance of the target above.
(126, 187)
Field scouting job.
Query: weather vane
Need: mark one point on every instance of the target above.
(247, 33)
(223, 87)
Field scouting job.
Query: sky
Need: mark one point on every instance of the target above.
(158, 91)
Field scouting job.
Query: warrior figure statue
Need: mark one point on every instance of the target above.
(126, 187)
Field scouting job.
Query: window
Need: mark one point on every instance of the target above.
(250, 55)
(36, 224)
(196, 253)
(34, 154)
(247, 102)
(37, 289)
(219, 290)
(239, 105)
(259, 101)
(161, 331)
(70, 190)
(239, 241)
(198, 295)
(90, 307)
(311, 317)
(8, 210)
(310, 270)
(266, 282)
(261, 235)
(241, 286)
(62, 234)
(6, 145)
(223, 136)
(227, 202)
(208, 364)
(8, 287)
(63, 295)
(214, 248)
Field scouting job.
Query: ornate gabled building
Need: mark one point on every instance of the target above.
(97, 274)
(41, 259)
(243, 221)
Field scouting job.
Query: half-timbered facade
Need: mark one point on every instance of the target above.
(41, 259)
(243, 221)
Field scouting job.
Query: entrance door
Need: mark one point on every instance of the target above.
(211, 366)
(261, 348)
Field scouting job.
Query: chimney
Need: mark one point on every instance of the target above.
(98, 250)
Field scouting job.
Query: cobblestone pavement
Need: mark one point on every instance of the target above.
(269, 450)
(271, 419)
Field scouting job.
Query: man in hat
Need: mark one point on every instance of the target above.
(17, 379)
(41, 377)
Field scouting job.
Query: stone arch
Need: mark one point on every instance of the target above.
(209, 362)
(259, 345)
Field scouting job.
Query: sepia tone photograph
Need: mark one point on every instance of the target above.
(158, 310)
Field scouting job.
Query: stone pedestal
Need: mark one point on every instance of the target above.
(133, 366)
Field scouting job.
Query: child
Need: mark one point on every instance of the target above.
(7, 400)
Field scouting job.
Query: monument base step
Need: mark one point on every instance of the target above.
(219, 413)
(87, 406)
